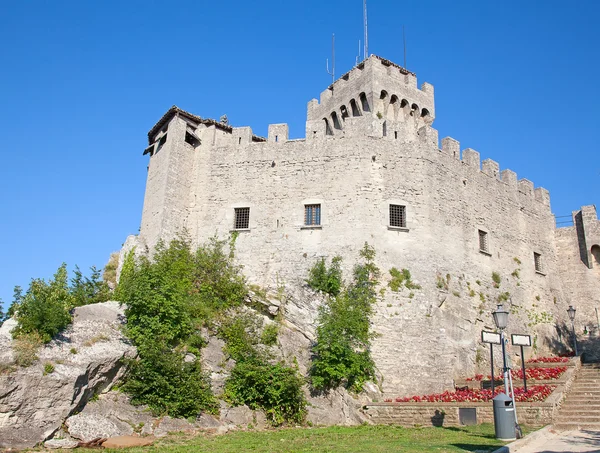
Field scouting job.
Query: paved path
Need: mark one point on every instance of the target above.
(587, 441)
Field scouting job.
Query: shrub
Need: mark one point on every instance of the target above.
(89, 290)
(110, 270)
(73, 351)
(169, 297)
(496, 279)
(276, 389)
(45, 307)
(269, 335)
(341, 355)
(48, 368)
(25, 349)
(167, 384)
(328, 280)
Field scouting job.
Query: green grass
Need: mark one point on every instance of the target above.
(338, 439)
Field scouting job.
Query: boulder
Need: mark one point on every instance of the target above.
(87, 359)
(66, 444)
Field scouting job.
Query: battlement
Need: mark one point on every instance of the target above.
(491, 168)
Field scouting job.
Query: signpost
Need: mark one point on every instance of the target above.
(492, 338)
(522, 340)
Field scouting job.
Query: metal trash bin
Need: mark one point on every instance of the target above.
(504, 417)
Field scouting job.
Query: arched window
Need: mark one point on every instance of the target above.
(344, 112)
(354, 108)
(393, 108)
(596, 255)
(414, 110)
(328, 130)
(335, 120)
(424, 113)
(364, 102)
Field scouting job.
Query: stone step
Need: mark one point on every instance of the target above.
(577, 413)
(578, 419)
(573, 426)
(583, 404)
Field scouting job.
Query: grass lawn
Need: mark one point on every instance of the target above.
(357, 439)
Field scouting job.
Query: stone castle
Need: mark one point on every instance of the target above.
(371, 170)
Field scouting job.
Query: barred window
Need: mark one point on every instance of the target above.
(242, 219)
(537, 261)
(312, 214)
(397, 216)
(483, 242)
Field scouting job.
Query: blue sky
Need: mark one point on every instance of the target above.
(82, 82)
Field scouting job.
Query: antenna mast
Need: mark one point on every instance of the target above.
(366, 52)
(332, 72)
(404, 43)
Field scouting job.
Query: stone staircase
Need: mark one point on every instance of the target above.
(581, 407)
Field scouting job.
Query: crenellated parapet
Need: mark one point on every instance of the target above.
(471, 159)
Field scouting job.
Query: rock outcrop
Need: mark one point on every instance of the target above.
(87, 359)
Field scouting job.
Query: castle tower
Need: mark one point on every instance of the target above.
(377, 98)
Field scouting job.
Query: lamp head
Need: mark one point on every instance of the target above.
(571, 311)
(500, 317)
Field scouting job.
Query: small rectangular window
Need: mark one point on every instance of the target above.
(312, 214)
(483, 242)
(537, 261)
(397, 216)
(242, 219)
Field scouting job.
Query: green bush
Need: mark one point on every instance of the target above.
(341, 355)
(276, 389)
(48, 368)
(45, 307)
(167, 384)
(89, 290)
(168, 299)
(328, 280)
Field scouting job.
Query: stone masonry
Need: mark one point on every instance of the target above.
(372, 165)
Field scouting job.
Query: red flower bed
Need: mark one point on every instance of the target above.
(540, 373)
(532, 373)
(560, 359)
(534, 393)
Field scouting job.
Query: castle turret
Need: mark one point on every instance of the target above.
(378, 98)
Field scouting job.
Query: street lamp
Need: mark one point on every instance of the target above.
(501, 321)
(571, 311)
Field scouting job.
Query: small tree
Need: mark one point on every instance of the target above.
(45, 307)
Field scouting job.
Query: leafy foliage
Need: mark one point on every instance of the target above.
(163, 380)
(45, 307)
(274, 388)
(277, 389)
(89, 290)
(341, 355)
(328, 280)
(110, 270)
(169, 298)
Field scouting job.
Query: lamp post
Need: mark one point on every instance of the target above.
(501, 321)
(571, 311)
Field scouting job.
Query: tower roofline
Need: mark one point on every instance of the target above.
(194, 119)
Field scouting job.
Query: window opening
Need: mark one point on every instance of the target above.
(396, 135)
(596, 255)
(160, 143)
(483, 242)
(398, 215)
(364, 102)
(242, 219)
(537, 261)
(312, 214)
(354, 108)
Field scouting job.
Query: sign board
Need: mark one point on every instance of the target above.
(490, 337)
(521, 340)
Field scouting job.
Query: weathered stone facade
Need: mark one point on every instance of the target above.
(369, 144)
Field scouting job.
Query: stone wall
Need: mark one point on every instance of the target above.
(447, 414)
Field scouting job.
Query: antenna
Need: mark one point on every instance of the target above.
(404, 43)
(358, 56)
(332, 72)
(366, 52)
